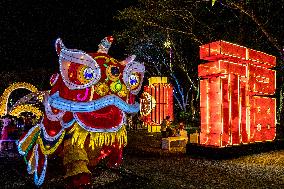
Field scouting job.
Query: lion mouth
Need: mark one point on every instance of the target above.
(101, 115)
(109, 117)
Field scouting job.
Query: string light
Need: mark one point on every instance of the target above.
(67, 105)
(5, 96)
(72, 55)
(26, 108)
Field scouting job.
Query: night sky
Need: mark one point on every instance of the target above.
(28, 30)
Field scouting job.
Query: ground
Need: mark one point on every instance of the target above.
(147, 166)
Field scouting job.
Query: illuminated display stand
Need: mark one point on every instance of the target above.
(236, 86)
(161, 103)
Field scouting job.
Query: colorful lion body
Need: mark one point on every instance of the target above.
(84, 112)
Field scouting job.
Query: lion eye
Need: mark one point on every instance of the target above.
(85, 74)
(134, 80)
(88, 73)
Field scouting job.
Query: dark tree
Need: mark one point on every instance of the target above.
(183, 25)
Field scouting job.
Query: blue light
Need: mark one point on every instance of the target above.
(129, 73)
(67, 105)
(39, 181)
(133, 80)
(88, 73)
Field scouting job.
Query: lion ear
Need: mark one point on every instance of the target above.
(58, 46)
(128, 59)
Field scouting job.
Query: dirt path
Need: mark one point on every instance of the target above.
(185, 172)
(147, 166)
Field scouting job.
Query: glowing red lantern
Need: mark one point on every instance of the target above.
(160, 94)
(234, 95)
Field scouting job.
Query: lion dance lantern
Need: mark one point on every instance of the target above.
(84, 116)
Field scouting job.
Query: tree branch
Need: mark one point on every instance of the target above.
(153, 24)
(250, 14)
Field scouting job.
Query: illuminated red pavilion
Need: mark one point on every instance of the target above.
(236, 89)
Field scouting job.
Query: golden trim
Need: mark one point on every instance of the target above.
(50, 150)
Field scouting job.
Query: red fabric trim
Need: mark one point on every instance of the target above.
(105, 118)
(52, 127)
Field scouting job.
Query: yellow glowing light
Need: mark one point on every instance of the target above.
(167, 44)
(123, 92)
(102, 89)
(5, 96)
(26, 108)
(158, 80)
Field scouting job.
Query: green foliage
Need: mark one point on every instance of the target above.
(184, 116)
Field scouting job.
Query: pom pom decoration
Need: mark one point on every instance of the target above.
(105, 44)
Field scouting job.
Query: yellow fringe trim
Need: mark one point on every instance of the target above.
(98, 139)
(47, 150)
